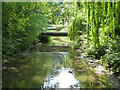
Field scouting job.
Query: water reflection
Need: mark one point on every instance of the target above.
(38, 69)
(49, 69)
(64, 79)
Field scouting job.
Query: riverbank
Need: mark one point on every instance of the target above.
(100, 70)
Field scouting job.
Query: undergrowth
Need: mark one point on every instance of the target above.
(109, 53)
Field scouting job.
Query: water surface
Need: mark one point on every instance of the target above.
(35, 69)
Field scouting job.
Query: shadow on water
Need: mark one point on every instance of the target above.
(37, 69)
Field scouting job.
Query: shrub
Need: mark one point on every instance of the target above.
(112, 57)
(96, 52)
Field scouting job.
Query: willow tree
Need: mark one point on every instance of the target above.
(102, 18)
(113, 19)
(88, 21)
(112, 15)
(101, 14)
(93, 8)
(116, 12)
(97, 23)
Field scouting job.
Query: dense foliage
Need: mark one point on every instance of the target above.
(102, 34)
(58, 12)
(21, 24)
(97, 23)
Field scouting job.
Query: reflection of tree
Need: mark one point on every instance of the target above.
(34, 75)
(33, 69)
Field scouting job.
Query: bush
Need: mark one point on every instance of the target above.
(96, 52)
(112, 57)
(108, 52)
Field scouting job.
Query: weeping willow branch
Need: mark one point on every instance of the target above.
(92, 27)
(102, 18)
(96, 36)
(116, 12)
(88, 21)
(113, 11)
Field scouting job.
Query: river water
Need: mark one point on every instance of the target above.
(35, 69)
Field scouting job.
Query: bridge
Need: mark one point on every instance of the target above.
(57, 31)
(54, 28)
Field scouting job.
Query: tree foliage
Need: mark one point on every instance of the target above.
(102, 27)
(59, 12)
(21, 24)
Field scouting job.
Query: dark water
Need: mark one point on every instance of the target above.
(36, 69)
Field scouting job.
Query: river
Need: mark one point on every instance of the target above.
(36, 69)
(51, 67)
